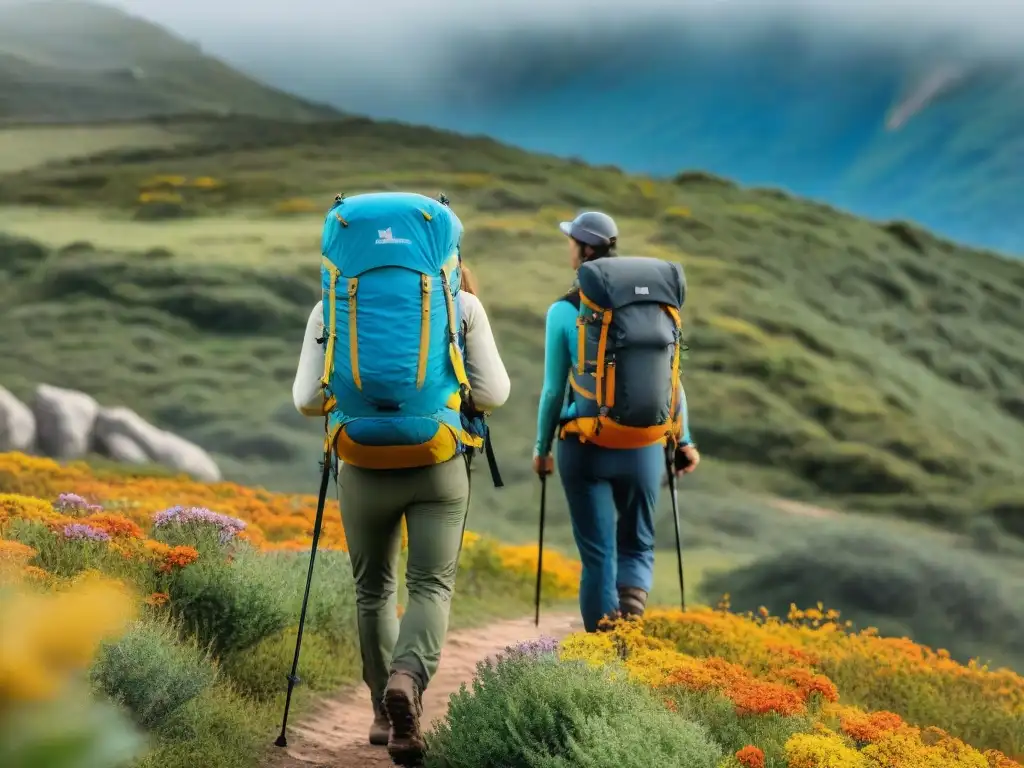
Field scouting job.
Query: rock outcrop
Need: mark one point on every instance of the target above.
(17, 424)
(66, 424)
(123, 435)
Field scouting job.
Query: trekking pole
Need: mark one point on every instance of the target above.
(670, 467)
(293, 678)
(540, 547)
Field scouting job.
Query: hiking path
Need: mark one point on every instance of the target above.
(334, 734)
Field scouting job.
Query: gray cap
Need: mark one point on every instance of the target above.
(592, 228)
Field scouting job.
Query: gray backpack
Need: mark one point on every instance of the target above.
(625, 386)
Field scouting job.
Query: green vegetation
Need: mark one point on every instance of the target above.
(939, 594)
(528, 709)
(203, 672)
(863, 366)
(72, 61)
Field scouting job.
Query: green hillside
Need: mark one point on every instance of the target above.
(69, 61)
(868, 367)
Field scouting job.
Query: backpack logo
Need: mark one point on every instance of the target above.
(641, 290)
(386, 237)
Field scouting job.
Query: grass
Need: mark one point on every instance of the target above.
(25, 148)
(863, 367)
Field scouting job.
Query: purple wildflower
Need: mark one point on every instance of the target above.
(228, 526)
(82, 532)
(68, 503)
(534, 648)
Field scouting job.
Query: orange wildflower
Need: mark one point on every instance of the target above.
(15, 551)
(808, 683)
(157, 599)
(750, 757)
(866, 727)
(116, 526)
(179, 557)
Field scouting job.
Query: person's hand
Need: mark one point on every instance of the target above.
(686, 460)
(543, 465)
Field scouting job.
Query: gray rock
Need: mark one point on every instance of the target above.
(64, 421)
(17, 424)
(117, 427)
(122, 448)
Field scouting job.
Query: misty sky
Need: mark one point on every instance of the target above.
(379, 26)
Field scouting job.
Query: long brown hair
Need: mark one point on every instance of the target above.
(469, 283)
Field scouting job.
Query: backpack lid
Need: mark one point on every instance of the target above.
(384, 229)
(624, 280)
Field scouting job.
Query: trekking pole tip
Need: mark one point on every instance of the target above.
(282, 741)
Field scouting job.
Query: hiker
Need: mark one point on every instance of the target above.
(384, 362)
(624, 404)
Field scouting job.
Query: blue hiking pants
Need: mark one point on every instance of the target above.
(612, 496)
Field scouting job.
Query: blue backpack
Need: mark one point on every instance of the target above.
(395, 385)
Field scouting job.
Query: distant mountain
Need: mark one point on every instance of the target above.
(68, 61)
(921, 129)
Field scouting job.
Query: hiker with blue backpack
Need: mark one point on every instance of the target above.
(401, 361)
(613, 398)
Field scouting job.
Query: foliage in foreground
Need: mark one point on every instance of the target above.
(801, 693)
(528, 709)
(47, 718)
(198, 660)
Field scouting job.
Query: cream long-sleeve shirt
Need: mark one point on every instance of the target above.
(484, 367)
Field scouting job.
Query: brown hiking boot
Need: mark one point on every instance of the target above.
(380, 731)
(632, 602)
(404, 707)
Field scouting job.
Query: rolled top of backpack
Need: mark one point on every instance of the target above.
(618, 282)
(367, 231)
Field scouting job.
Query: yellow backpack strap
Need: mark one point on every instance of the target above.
(330, 296)
(421, 368)
(453, 336)
(678, 322)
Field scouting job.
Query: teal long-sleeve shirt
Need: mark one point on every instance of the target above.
(560, 354)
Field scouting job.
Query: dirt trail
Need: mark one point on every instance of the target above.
(335, 734)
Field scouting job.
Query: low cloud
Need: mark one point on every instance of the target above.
(998, 23)
(369, 45)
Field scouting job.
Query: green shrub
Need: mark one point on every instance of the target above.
(152, 671)
(1006, 507)
(231, 606)
(66, 557)
(217, 728)
(325, 664)
(733, 731)
(540, 713)
(332, 600)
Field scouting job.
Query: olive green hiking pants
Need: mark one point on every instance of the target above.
(434, 501)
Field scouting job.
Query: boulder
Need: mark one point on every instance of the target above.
(120, 431)
(122, 448)
(64, 422)
(17, 424)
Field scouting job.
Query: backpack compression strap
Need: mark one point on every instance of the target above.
(454, 353)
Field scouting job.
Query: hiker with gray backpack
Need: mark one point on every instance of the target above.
(613, 398)
(400, 361)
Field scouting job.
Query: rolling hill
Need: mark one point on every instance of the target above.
(864, 366)
(67, 61)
